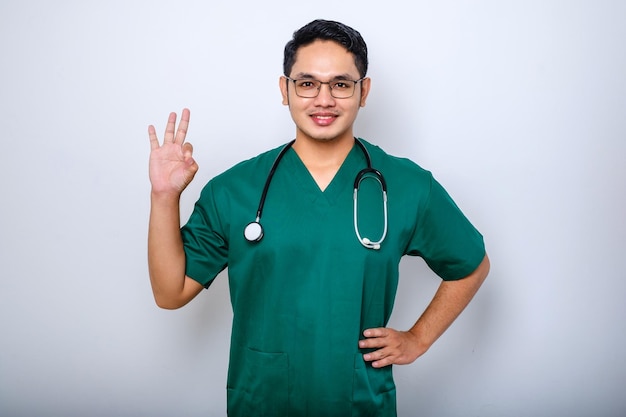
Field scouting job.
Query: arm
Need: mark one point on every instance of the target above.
(396, 347)
(172, 168)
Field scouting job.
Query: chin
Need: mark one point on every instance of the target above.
(324, 136)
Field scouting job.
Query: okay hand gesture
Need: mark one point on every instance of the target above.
(172, 166)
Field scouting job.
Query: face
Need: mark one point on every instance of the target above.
(324, 118)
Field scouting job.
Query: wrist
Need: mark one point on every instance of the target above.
(164, 197)
(422, 340)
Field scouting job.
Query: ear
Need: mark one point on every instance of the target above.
(366, 84)
(284, 90)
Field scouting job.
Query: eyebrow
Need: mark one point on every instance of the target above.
(345, 76)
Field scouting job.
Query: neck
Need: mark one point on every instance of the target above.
(323, 158)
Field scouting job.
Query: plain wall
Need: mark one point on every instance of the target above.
(518, 108)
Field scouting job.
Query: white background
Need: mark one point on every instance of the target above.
(518, 107)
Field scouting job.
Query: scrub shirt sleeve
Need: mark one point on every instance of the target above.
(445, 238)
(206, 248)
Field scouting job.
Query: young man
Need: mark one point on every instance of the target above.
(312, 289)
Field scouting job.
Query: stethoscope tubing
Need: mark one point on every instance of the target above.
(266, 187)
(253, 232)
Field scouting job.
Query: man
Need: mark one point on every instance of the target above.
(312, 289)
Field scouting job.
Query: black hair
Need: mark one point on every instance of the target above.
(327, 30)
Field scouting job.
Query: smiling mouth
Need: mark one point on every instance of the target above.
(323, 119)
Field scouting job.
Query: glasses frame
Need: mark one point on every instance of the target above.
(319, 88)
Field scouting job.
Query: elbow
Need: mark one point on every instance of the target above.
(165, 305)
(168, 303)
(172, 299)
(168, 300)
(169, 295)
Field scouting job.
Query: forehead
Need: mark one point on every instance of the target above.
(324, 59)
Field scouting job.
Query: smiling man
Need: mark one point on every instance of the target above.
(309, 335)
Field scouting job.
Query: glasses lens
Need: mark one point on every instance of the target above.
(307, 88)
(342, 88)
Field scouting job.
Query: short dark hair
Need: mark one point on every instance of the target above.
(331, 31)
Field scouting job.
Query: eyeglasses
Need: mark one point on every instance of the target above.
(310, 88)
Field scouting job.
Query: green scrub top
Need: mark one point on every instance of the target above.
(303, 295)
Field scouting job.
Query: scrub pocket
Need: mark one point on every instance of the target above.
(264, 389)
(373, 390)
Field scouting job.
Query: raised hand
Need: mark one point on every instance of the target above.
(172, 166)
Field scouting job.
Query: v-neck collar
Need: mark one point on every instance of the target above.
(344, 177)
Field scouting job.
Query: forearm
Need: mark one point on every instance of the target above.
(449, 301)
(166, 256)
(403, 347)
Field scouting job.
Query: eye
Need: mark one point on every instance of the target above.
(306, 84)
(340, 85)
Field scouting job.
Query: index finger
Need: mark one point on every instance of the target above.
(169, 128)
(181, 133)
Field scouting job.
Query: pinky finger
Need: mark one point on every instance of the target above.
(154, 141)
(382, 363)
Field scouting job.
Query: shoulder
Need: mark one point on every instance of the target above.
(392, 166)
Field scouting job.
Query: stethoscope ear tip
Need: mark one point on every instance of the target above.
(369, 244)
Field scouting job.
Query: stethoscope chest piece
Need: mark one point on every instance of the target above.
(253, 232)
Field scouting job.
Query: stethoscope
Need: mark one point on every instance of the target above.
(253, 232)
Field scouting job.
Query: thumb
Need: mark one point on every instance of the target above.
(187, 150)
(188, 156)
